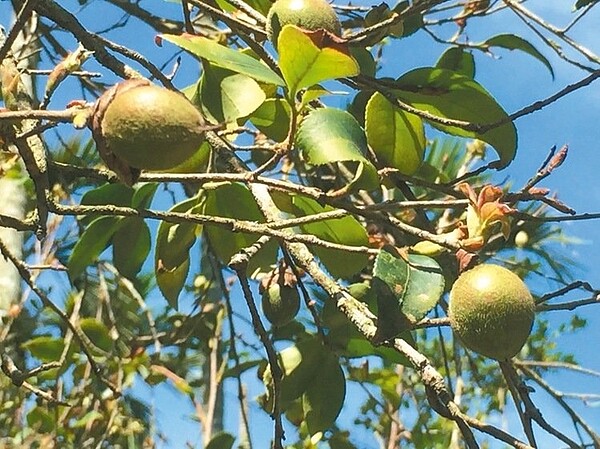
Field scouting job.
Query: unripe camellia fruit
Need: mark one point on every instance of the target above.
(280, 303)
(307, 14)
(146, 126)
(492, 311)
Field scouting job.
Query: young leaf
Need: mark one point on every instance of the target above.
(323, 399)
(226, 96)
(225, 57)
(330, 135)
(458, 60)
(451, 95)
(412, 286)
(396, 137)
(171, 282)
(171, 257)
(131, 245)
(309, 58)
(91, 243)
(45, 348)
(346, 231)
(512, 42)
(97, 332)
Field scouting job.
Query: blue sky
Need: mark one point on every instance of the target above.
(516, 80)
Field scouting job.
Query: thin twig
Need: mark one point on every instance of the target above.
(81, 338)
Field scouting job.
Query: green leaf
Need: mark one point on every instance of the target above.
(413, 287)
(226, 96)
(583, 3)
(309, 58)
(235, 201)
(323, 399)
(458, 60)
(300, 364)
(512, 42)
(87, 419)
(195, 164)
(345, 231)
(97, 332)
(330, 135)
(45, 348)
(41, 420)
(94, 240)
(396, 137)
(131, 246)
(115, 194)
(221, 440)
(347, 340)
(143, 195)
(173, 243)
(226, 58)
(272, 118)
(171, 282)
(451, 95)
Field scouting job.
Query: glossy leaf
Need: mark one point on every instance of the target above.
(45, 348)
(131, 246)
(416, 284)
(272, 118)
(458, 60)
(97, 332)
(323, 399)
(451, 95)
(307, 59)
(171, 257)
(396, 137)
(330, 135)
(236, 201)
(512, 42)
(226, 96)
(94, 240)
(345, 231)
(224, 57)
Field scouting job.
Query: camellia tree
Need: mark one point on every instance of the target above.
(297, 219)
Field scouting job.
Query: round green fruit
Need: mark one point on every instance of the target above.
(280, 303)
(492, 311)
(308, 14)
(151, 127)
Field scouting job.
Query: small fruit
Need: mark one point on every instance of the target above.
(308, 14)
(492, 311)
(280, 304)
(521, 239)
(146, 126)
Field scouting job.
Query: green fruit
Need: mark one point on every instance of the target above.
(280, 303)
(152, 128)
(492, 311)
(308, 14)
